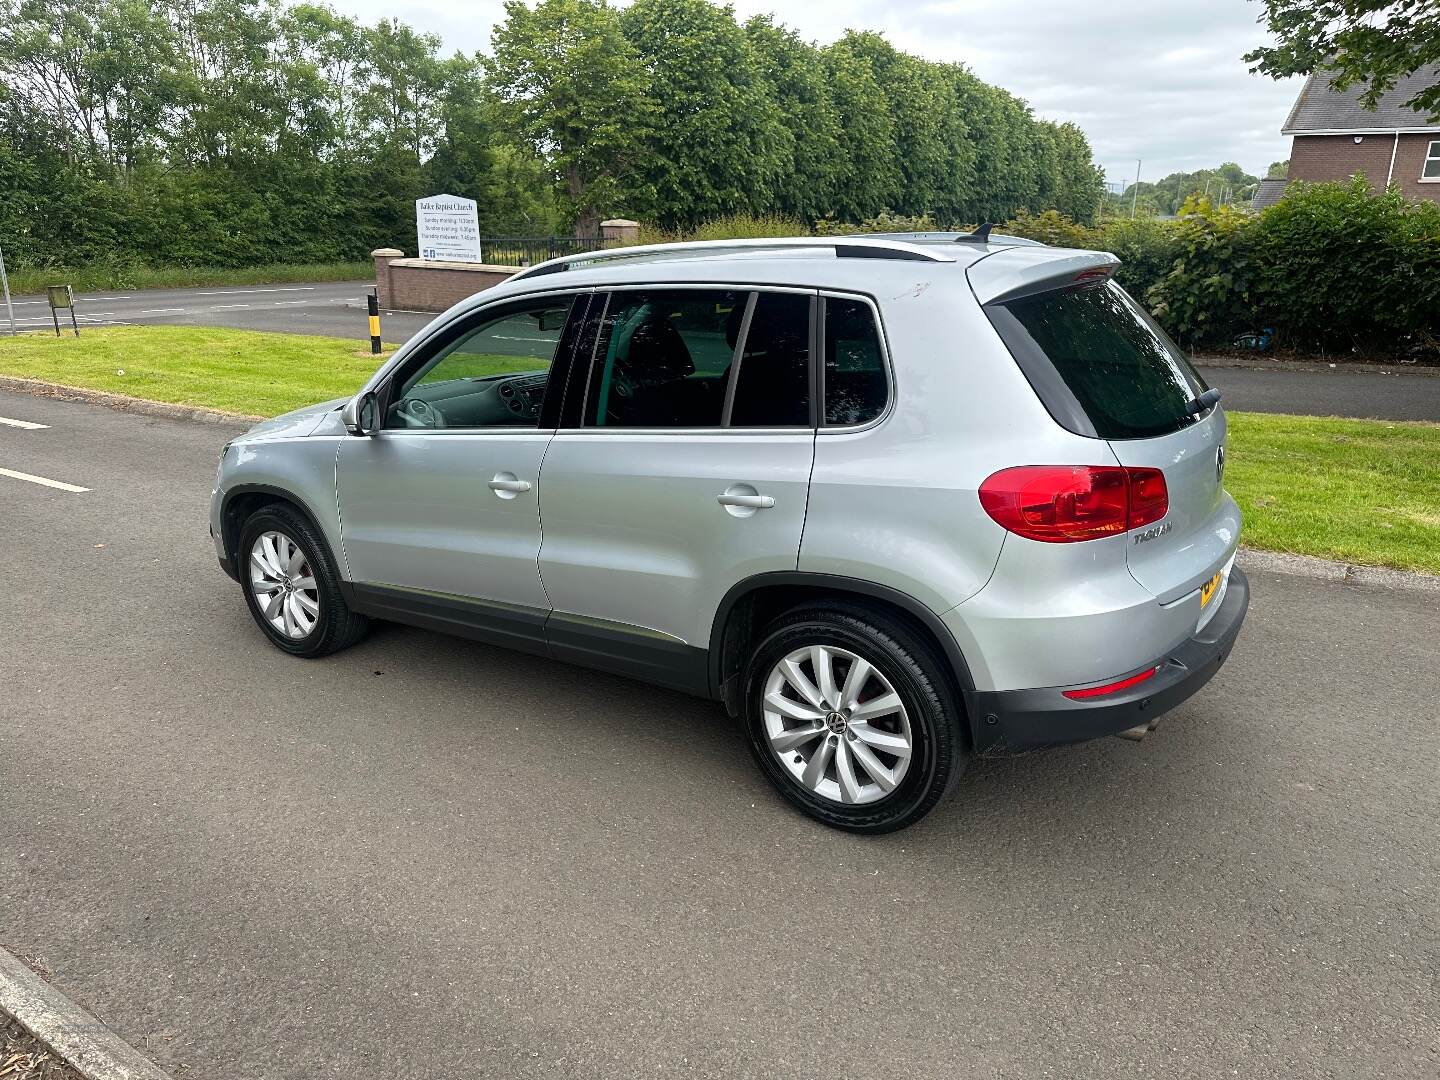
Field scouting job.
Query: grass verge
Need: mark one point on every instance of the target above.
(242, 371)
(1363, 491)
(125, 277)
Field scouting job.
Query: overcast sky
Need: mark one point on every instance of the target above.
(1156, 80)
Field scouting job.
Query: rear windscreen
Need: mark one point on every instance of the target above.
(1098, 362)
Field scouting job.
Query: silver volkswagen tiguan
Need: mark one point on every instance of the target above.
(894, 501)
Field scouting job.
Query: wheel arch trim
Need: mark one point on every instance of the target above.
(231, 531)
(839, 584)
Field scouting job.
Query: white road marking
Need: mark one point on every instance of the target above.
(227, 307)
(60, 485)
(287, 303)
(242, 292)
(164, 311)
(25, 424)
(63, 322)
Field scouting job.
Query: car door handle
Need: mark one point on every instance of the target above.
(754, 502)
(505, 484)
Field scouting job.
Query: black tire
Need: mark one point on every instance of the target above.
(337, 627)
(939, 754)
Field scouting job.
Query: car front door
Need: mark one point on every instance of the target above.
(440, 510)
(681, 467)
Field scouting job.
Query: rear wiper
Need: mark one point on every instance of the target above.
(1208, 400)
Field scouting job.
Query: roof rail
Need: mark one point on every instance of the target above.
(846, 247)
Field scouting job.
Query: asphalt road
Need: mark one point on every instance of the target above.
(427, 857)
(332, 309)
(1368, 393)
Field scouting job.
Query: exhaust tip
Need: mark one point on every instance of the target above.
(1136, 733)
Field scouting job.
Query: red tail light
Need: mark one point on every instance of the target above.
(1064, 504)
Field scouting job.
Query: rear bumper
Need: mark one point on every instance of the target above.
(1018, 719)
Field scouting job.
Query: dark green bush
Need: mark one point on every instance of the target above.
(1207, 295)
(1340, 268)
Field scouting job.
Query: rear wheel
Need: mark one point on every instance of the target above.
(292, 587)
(850, 716)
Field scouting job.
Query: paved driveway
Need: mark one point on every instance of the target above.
(427, 857)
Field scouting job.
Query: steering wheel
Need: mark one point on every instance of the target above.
(417, 412)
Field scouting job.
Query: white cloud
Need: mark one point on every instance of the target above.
(1158, 80)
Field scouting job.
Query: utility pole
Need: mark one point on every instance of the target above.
(1136, 197)
(5, 284)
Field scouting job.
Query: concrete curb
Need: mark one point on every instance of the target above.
(139, 406)
(1379, 577)
(89, 1047)
(1336, 367)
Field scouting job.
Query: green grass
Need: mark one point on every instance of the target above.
(1364, 491)
(237, 370)
(125, 277)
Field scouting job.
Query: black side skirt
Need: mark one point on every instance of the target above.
(576, 639)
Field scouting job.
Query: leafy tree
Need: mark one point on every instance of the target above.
(810, 134)
(870, 177)
(718, 143)
(573, 90)
(1369, 43)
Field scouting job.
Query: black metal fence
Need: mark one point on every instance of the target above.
(529, 250)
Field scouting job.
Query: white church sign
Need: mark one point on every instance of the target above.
(449, 228)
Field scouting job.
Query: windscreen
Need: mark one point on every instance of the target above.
(1098, 361)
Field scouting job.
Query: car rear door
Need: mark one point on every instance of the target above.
(682, 468)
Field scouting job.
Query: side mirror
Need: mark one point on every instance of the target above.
(362, 414)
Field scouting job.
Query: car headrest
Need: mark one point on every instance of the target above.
(658, 353)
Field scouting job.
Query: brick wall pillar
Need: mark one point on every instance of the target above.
(620, 232)
(383, 258)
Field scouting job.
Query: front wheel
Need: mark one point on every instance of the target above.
(292, 587)
(850, 716)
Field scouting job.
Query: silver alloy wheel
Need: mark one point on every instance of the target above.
(837, 725)
(284, 585)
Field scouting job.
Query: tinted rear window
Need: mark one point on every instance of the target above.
(1098, 361)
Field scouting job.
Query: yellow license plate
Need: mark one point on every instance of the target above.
(1207, 591)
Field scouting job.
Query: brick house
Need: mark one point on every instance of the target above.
(1333, 137)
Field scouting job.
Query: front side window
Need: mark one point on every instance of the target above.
(1431, 171)
(855, 385)
(492, 374)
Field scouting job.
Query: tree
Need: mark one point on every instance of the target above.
(1278, 170)
(868, 163)
(572, 89)
(718, 143)
(810, 133)
(1369, 43)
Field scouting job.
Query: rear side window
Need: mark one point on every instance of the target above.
(772, 384)
(1098, 362)
(855, 384)
(663, 359)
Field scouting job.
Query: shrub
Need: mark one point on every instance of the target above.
(1339, 267)
(884, 222)
(1206, 296)
(730, 227)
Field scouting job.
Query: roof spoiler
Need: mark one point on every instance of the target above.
(1019, 271)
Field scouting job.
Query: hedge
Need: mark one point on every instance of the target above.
(1332, 268)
